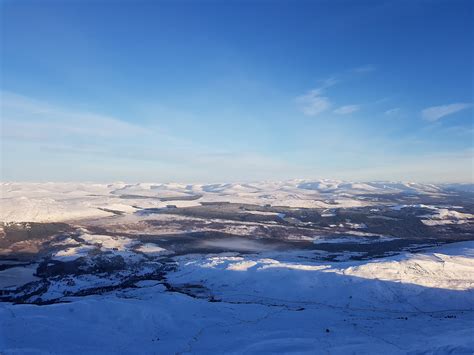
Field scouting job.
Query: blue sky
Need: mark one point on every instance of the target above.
(206, 91)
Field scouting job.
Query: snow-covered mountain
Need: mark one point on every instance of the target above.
(40, 202)
(267, 267)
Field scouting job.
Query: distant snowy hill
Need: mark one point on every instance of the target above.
(41, 202)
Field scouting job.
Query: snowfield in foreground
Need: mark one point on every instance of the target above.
(268, 302)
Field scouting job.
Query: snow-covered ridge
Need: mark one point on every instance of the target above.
(439, 215)
(50, 202)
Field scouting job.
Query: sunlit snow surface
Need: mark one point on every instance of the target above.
(53, 202)
(262, 303)
(118, 280)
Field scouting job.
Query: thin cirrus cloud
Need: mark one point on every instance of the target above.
(435, 113)
(313, 103)
(347, 109)
(33, 129)
(29, 118)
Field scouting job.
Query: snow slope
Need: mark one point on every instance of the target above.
(267, 303)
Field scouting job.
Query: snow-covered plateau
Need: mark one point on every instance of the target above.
(316, 267)
(54, 202)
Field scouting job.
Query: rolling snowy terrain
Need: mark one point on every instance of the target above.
(54, 202)
(272, 267)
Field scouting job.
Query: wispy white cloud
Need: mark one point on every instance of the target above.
(29, 122)
(28, 118)
(435, 113)
(316, 101)
(313, 103)
(364, 69)
(347, 109)
(85, 145)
